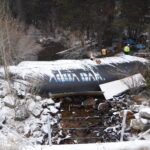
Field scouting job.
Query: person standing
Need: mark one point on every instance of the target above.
(126, 49)
(104, 52)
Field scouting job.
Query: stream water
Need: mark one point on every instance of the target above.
(86, 120)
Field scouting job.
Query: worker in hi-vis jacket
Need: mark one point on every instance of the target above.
(126, 49)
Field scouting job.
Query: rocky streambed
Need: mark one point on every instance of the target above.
(29, 118)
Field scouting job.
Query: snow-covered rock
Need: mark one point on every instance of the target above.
(45, 128)
(47, 102)
(27, 131)
(44, 118)
(9, 101)
(21, 113)
(8, 113)
(38, 98)
(28, 96)
(21, 87)
(31, 105)
(140, 124)
(46, 111)
(145, 113)
(57, 105)
(136, 108)
(37, 134)
(37, 110)
(39, 140)
(53, 110)
(35, 127)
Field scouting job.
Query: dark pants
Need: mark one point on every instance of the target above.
(127, 53)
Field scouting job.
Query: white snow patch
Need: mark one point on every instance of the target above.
(130, 145)
(145, 112)
(34, 68)
(53, 109)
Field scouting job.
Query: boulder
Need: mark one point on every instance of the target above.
(7, 113)
(20, 129)
(52, 109)
(37, 110)
(103, 107)
(46, 111)
(9, 101)
(47, 102)
(40, 140)
(35, 127)
(31, 105)
(145, 113)
(140, 124)
(29, 96)
(21, 113)
(57, 105)
(21, 87)
(136, 108)
(37, 134)
(38, 98)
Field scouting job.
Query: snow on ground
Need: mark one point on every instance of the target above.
(26, 115)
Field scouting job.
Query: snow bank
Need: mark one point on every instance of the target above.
(131, 145)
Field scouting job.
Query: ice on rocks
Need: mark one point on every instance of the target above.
(145, 113)
(9, 101)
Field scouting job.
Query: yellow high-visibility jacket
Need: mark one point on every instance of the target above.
(126, 49)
